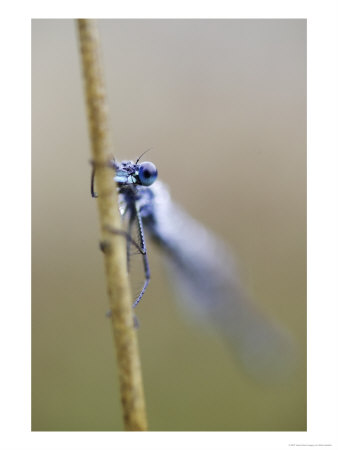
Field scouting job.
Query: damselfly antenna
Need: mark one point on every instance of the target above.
(142, 155)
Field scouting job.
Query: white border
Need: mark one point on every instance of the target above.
(322, 225)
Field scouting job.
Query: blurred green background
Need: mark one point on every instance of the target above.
(222, 105)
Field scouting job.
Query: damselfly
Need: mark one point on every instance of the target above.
(203, 268)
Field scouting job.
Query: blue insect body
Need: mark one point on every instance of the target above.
(204, 269)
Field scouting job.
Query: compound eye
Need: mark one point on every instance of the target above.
(147, 173)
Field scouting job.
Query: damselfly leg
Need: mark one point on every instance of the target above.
(92, 178)
(110, 163)
(131, 179)
(140, 247)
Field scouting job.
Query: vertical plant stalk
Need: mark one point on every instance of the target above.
(128, 360)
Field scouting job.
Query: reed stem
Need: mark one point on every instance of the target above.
(120, 301)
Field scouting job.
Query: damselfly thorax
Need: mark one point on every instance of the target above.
(203, 268)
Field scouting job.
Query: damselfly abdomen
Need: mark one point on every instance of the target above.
(203, 268)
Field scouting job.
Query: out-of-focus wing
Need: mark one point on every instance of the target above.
(206, 275)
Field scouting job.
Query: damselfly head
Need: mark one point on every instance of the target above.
(147, 173)
(128, 173)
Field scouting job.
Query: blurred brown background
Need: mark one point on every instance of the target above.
(222, 105)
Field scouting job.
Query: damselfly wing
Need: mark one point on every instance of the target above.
(203, 268)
